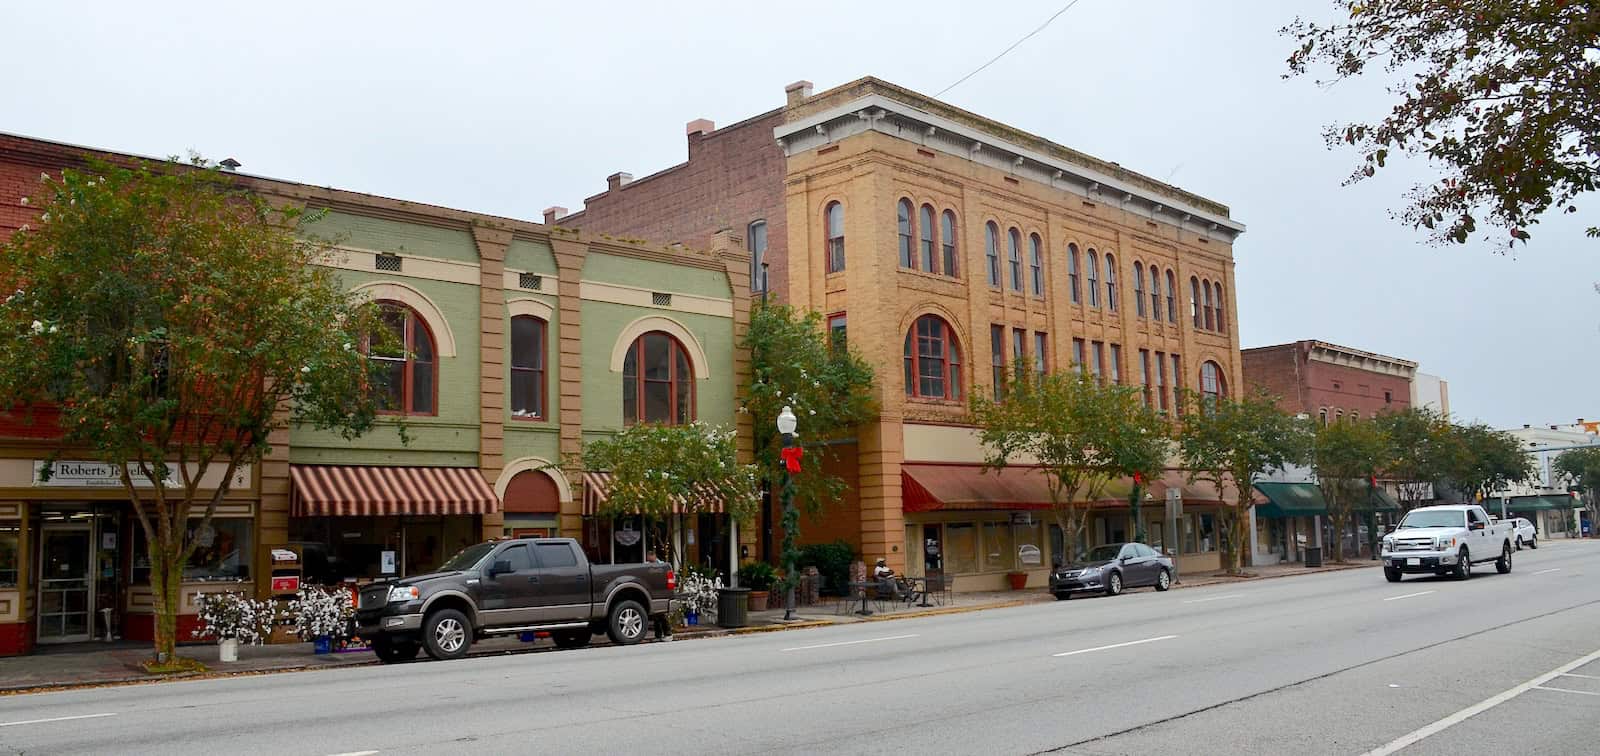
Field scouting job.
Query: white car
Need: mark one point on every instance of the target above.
(1523, 532)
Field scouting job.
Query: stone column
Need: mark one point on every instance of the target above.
(570, 252)
(492, 244)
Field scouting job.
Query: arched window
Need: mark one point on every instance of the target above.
(932, 360)
(1211, 385)
(1172, 297)
(1094, 279)
(1194, 302)
(908, 257)
(1138, 288)
(991, 252)
(1322, 416)
(1221, 325)
(1014, 254)
(1072, 272)
(1111, 282)
(834, 217)
(527, 367)
(947, 234)
(930, 260)
(408, 370)
(657, 381)
(756, 238)
(1211, 321)
(1036, 263)
(1155, 293)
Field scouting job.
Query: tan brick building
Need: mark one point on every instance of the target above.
(948, 246)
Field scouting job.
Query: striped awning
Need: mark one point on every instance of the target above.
(364, 491)
(597, 489)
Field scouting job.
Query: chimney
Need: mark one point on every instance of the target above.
(1526, 426)
(1580, 421)
(618, 180)
(552, 213)
(699, 127)
(797, 92)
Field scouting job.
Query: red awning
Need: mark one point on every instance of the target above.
(352, 491)
(959, 487)
(597, 488)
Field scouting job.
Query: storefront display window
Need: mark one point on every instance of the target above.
(223, 551)
(961, 548)
(10, 538)
(334, 549)
(1207, 532)
(1029, 539)
(999, 547)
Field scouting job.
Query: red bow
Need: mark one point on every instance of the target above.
(791, 458)
(1138, 479)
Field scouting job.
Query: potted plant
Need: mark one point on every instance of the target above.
(1018, 580)
(760, 578)
(232, 618)
(697, 594)
(321, 616)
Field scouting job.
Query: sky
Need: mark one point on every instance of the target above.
(509, 108)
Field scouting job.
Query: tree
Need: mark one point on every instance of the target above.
(1081, 434)
(1345, 457)
(169, 322)
(1580, 468)
(1419, 449)
(1231, 441)
(1500, 94)
(1486, 461)
(795, 363)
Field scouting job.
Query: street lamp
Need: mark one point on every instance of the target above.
(786, 428)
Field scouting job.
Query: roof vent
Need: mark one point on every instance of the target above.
(230, 165)
(530, 281)
(661, 299)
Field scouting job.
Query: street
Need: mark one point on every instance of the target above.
(1334, 663)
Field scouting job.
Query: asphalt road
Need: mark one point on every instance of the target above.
(1333, 663)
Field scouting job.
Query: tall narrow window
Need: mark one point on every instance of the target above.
(930, 248)
(1094, 279)
(933, 360)
(1144, 375)
(1072, 272)
(835, 221)
(657, 381)
(997, 360)
(1036, 263)
(1221, 325)
(1211, 385)
(1014, 255)
(1177, 384)
(991, 252)
(1041, 353)
(1155, 293)
(1077, 355)
(1111, 282)
(756, 235)
(406, 384)
(1161, 380)
(1019, 347)
(1116, 364)
(1138, 289)
(527, 367)
(1172, 297)
(1097, 355)
(1194, 302)
(1211, 322)
(947, 235)
(838, 331)
(908, 256)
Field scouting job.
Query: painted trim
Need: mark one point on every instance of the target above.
(532, 307)
(648, 323)
(430, 268)
(638, 297)
(532, 464)
(429, 312)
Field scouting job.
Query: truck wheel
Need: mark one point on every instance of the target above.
(571, 638)
(1463, 564)
(446, 634)
(627, 623)
(1391, 574)
(392, 650)
(1503, 564)
(1533, 543)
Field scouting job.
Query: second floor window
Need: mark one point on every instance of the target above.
(834, 219)
(908, 258)
(1116, 364)
(657, 381)
(932, 360)
(407, 383)
(1041, 348)
(1211, 384)
(527, 367)
(997, 360)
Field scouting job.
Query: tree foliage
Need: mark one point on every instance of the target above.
(169, 322)
(1420, 447)
(1486, 460)
(1227, 441)
(1580, 468)
(1346, 456)
(661, 470)
(1499, 94)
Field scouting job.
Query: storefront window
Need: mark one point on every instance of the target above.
(10, 537)
(1190, 544)
(223, 551)
(999, 547)
(1030, 544)
(961, 548)
(1205, 534)
(334, 549)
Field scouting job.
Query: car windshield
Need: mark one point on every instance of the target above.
(1446, 518)
(467, 558)
(1105, 553)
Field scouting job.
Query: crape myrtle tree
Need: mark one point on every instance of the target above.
(1580, 468)
(1346, 455)
(1486, 460)
(1420, 446)
(168, 321)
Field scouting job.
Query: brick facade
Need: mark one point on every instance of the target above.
(1326, 381)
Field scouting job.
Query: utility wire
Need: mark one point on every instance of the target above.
(1013, 46)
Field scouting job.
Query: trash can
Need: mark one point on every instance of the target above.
(1314, 556)
(733, 607)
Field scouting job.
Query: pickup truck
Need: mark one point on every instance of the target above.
(512, 586)
(1446, 540)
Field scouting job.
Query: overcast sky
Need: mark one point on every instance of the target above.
(512, 108)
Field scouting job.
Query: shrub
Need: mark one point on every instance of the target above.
(758, 576)
(832, 561)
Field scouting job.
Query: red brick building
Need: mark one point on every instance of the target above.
(1330, 382)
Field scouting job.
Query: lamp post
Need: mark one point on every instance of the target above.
(786, 429)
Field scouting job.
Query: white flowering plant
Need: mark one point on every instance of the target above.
(234, 616)
(697, 592)
(319, 612)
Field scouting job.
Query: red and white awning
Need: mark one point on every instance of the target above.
(366, 491)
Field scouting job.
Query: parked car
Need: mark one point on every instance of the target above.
(1524, 533)
(513, 586)
(1446, 539)
(1111, 568)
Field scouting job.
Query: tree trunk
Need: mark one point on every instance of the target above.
(1138, 518)
(166, 578)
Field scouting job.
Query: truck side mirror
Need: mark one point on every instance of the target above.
(500, 567)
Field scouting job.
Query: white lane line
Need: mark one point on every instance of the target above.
(851, 643)
(56, 719)
(1575, 674)
(1552, 569)
(1114, 645)
(355, 753)
(1566, 690)
(1214, 598)
(1478, 708)
(1409, 595)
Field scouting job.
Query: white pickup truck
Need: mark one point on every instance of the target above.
(1447, 539)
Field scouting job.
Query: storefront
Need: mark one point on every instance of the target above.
(690, 536)
(1554, 515)
(1293, 517)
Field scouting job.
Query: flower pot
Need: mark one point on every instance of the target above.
(1018, 580)
(228, 649)
(691, 618)
(322, 645)
(758, 601)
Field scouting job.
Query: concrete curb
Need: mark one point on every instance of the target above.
(1230, 580)
(179, 677)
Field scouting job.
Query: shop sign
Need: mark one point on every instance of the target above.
(628, 536)
(91, 474)
(387, 562)
(286, 584)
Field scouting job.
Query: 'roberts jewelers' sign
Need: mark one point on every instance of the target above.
(83, 474)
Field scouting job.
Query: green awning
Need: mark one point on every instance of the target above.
(1305, 500)
(1378, 501)
(1533, 503)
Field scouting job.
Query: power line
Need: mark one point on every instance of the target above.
(1013, 46)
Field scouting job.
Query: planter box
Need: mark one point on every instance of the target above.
(758, 601)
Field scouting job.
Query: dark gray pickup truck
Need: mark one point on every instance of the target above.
(512, 586)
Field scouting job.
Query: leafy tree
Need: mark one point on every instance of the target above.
(1082, 435)
(795, 363)
(1500, 94)
(1231, 441)
(1581, 469)
(169, 322)
(1346, 456)
(1421, 446)
(1486, 460)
